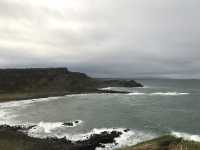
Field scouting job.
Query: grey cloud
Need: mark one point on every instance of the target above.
(113, 38)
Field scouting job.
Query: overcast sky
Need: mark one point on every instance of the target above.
(104, 38)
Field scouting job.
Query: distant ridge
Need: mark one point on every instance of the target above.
(42, 82)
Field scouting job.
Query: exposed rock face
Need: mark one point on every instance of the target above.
(121, 83)
(12, 139)
(38, 79)
(43, 82)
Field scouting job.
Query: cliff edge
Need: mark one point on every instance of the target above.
(43, 82)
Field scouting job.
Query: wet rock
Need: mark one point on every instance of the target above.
(68, 124)
(121, 83)
(97, 140)
(126, 130)
(22, 141)
(76, 121)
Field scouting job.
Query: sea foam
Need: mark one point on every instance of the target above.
(23, 103)
(46, 127)
(159, 93)
(7, 110)
(169, 93)
(137, 93)
(186, 136)
(106, 88)
(127, 138)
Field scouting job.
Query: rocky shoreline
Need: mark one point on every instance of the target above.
(14, 138)
(22, 84)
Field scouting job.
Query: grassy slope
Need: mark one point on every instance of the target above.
(166, 143)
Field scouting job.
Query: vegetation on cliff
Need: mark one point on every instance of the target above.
(43, 82)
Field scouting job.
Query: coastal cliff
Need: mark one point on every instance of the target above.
(43, 82)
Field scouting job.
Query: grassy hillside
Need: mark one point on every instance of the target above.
(166, 143)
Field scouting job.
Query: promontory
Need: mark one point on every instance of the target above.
(18, 84)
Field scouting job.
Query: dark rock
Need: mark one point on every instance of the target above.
(112, 92)
(22, 141)
(30, 127)
(76, 121)
(68, 124)
(97, 140)
(121, 83)
(126, 130)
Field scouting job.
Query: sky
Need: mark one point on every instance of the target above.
(103, 38)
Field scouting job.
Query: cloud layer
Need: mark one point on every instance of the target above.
(105, 38)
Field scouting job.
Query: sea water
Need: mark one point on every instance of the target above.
(162, 106)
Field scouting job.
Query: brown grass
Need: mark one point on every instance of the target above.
(166, 143)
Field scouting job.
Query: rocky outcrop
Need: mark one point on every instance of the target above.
(11, 138)
(121, 83)
(15, 138)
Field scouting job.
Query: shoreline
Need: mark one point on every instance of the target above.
(29, 83)
(10, 137)
(13, 138)
(6, 97)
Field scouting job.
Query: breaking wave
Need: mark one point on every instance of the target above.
(23, 103)
(137, 93)
(160, 93)
(6, 110)
(186, 136)
(127, 138)
(106, 88)
(48, 127)
(58, 129)
(169, 93)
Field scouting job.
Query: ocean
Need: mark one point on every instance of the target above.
(162, 106)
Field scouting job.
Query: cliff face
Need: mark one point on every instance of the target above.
(46, 79)
(52, 80)
(121, 83)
